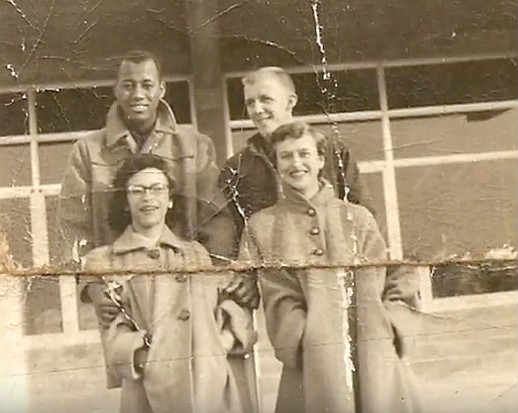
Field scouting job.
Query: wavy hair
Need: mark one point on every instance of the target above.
(119, 216)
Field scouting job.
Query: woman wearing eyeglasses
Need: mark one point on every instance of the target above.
(170, 340)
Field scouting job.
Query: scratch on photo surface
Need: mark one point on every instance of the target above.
(328, 88)
(12, 70)
(216, 16)
(21, 13)
(39, 39)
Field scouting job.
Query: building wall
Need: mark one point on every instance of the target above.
(435, 140)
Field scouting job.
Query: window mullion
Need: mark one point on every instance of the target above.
(389, 175)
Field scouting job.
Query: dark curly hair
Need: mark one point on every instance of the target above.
(139, 56)
(119, 216)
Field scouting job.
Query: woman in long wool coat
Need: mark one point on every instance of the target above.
(170, 341)
(304, 245)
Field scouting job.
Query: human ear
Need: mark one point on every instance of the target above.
(292, 101)
(321, 162)
(162, 89)
(116, 90)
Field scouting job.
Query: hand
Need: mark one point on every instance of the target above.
(105, 309)
(243, 289)
(402, 284)
(238, 334)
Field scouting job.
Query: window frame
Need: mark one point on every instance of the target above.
(37, 193)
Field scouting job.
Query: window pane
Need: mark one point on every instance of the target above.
(463, 279)
(364, 139)
(15, 161)
(42, 313)
(453, 134)
(356, 90)
(60, 254)
(53, 161)
(240, 137)
(15, 222)
(73, 109)
(86, 108)
(374, 184)
(457, 209)
(466, 82)
(58, 251)
(236, 100)
(177, 95)
(13, 114)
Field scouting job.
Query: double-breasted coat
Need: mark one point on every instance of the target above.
(191, 333)
(304, 248)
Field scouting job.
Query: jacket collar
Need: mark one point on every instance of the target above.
(132, 241)
(116, 129)
(321, 198)
(258, 144)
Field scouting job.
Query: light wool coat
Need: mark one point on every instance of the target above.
(304, 248)
(187, 368)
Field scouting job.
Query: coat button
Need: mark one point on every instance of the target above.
(153, 254)
(318, 252)
(314, 231)
(184, 315)
(311, 212)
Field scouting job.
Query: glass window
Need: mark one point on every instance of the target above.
(457, 209)
(464, 82)
(454, 134)
(15, 161)
(177, 95)
(73, 109)
(364, 139)
(13, 114)
(355, 90)
(61, 254)
(53, 161)
(466, 279)
(348, 91)
(373, 183)
(58, 251)
(236, 99)
(240, 138)
(78, 109)
(15, 222)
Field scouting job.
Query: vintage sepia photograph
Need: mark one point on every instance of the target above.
(329, 186)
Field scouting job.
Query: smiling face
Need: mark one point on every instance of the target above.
(269, 103)
(138, 91)
(299, 164)
(148, 198)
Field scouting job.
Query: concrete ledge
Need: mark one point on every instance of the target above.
(465, 302)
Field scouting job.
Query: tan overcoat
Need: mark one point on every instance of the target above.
(191, 333)
(308, 311)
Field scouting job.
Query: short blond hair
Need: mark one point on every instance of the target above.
(270, 71)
